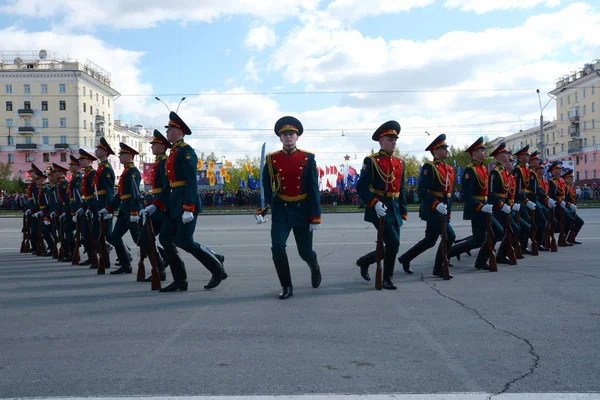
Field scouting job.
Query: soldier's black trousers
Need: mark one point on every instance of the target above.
(433, 230)
(280, 232)
(115, 238)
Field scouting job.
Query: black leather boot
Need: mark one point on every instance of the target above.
(389, 261)
(175, 286)
(315, 274)
(286, 292)
(364, 262)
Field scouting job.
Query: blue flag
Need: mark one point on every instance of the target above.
(242, 184)
(459, 175)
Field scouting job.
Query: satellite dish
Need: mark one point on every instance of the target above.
(43, 54)
(18, 60)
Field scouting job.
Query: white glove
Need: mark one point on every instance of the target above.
(260, 219)
(530, 205)
(107, 216)
(63, 216)
(79, 211)
(551, 203)
(187, 216)
(39, 214)
(488, 208)
(380, 209)
(573, 208)
(152, 208)
(516, 207)
(74, 219)
(442, 208)
(46, 222)
(88, 213)
(134, 218)
(313, 227)
(103, 213)
(28, 212)
(563, 204)
(506, 208)
(52, 214)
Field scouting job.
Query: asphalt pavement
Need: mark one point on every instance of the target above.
(529, 328)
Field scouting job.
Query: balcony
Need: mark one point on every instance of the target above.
(576, 146)
(26, 146)
(26, 129)
(574, 131)
(574, 119)
(61, 145)
(25, 112)
(99, 119)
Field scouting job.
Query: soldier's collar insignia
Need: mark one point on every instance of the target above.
(284, 151)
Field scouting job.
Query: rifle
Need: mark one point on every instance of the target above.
(379, 254)
(62, 254)
(571, 236)
(562, 239)
(153, 255)
(490, 244)
(510, 250)
(444, 240)
(55, 237)
(92, 250)
(534, 246)
(550, 240)
(141, 272)
(517, 248)
(76, 257)
(39, 250)
(102, 248)
(24, 242)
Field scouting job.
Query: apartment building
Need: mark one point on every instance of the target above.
(578, 113)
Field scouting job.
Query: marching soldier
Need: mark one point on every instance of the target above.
(543, 202)
(60, 213)
(572, 208)
(74, 195)
(475, 192)
(181, 202)
(85, 211)
(291, 188)
(523, 193)
(520, 226)
(32, 204)
(44, 197)
(159, 179)
(381, 187)
(104, 193)
(435, 193)
(127, 201)
(499, 188)
(557, 191)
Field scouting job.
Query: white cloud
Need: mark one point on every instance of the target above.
(355, 9)
(260, 37)
(483, 6)
(252, 70)
(131, 14)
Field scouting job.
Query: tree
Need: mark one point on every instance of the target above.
(8, 184)
(210, 157)
(239, 171)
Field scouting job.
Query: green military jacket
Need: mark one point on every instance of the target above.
(474, 188)
(127, 199)
(435, 187)
(104, 185)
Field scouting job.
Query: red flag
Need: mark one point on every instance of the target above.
(352, 171)
(334, 170)
(326, 170)
(321, 172)
(340, 177)
(329, 185)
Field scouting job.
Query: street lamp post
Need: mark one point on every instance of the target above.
(542, 138)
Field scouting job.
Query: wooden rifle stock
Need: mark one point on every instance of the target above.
(562, 239)
(54, 236)
(141, 272)
(534, 245)
(29, 242)
(571, 236)
(553, 248)
(510, 250)
(76, 257)
(25, 229)
(39, 251)
(102, 248)
(379, 254)
(490, 244)
(92, 250)
(153, 255)
(517, 248)
(62, 254)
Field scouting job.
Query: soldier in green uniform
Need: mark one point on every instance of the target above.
(127, 201)
(381, 188)
(181, 202)
(87, 202)
(60, 213)
(32, 204)
(291, 187)
(521, 173)
(557, 191)
(435, 194)
(104, 193)
(541, 199)
(74, 195)
(44, 202)
(474, 193)
(498, 196)
(159, 179)
(571, 207)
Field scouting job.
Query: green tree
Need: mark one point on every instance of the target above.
(239, 171)
(8, 184)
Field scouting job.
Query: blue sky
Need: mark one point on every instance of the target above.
(187, 48)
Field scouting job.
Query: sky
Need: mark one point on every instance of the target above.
(467, 68)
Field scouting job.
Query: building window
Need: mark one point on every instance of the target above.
(85, 141)
(45, 140)
(8, 88)
(27, 105)
(593, 140)
(46, 157)
(584, 92)
(91, 110)
(584, 125)
(26, 88)
(561, 117)
(44, 122)
(569, 99)
(11, 157)
(109, 118)
(593, 124)
(27, 123)
(593, 90)
(553, 150)
(91, 95)
(63, 157)
(584, 109)
(62, 105)
(10, 141)
(84, 124)
(561, 132)
(9, 106)
(63, 122)
(585, 174)
(553, 136)
(562, 147)
(63, 139)
(594, 156)
(102, 99)
(44, 88)
(28, 157)
(97, 97)
(84, 90)
(594, 174)
(9, 122)
(561, 102)
(576, 97)
(593, 106)
(62, 88)
(84, 107)
(44, 106)
(109, 102)
(584, 142)
(92, 126)
(27, 139)
(585, 158)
